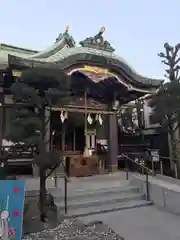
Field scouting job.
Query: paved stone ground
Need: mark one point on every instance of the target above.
(147, 223)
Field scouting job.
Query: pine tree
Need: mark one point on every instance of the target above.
(166, 103)
(35, 92)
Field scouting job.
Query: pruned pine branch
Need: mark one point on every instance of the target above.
(37, 89)
(166, 105)
(171, 59)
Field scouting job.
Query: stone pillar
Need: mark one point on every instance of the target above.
(35, 170)
(113, 143)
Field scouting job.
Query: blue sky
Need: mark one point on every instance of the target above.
(136, 28)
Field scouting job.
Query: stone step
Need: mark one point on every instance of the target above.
(98, 200)
(58, 194)
(105, 208)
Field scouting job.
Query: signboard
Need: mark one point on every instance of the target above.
(155, 155)
(11, 209)
(16, 73)
(94, 73)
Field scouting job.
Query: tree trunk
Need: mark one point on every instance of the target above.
(174, 153)
(170, 152)
(42, 195)
(173, 145)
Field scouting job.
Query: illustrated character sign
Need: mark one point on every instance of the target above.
(6, 230)
(11, 209)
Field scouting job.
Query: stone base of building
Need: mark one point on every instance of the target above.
(35, 171)
(113, 168)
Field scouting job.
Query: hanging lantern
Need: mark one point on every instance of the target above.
(89, 119)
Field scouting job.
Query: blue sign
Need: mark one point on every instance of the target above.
(11, 209)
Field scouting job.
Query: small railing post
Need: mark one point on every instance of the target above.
(65, 190)
(65, 194)
(161, 166)
(127, 171)
(175, 169)
(147, 185)
(55, 178)
(152, 166)
(142, 171)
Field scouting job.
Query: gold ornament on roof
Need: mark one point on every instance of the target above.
(67, 28)
(102, 30)
(97, 42)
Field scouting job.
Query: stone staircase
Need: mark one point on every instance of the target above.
(98, 197)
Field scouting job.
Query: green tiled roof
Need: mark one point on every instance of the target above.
(65, 47)
(6, 50)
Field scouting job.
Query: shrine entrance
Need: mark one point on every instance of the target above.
(80, 129)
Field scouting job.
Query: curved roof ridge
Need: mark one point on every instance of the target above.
(34, 55)
(49, 51)
(111, 55)
(66, 51)
(131, 69)
(63, 40)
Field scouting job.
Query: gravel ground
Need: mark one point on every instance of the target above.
(73, 229)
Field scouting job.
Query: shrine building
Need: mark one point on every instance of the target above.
(88, 118)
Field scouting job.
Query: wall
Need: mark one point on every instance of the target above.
(166, 196)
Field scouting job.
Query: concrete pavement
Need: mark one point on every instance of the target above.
(147, 223)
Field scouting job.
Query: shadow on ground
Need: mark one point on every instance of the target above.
(31, 221)
(66, 229)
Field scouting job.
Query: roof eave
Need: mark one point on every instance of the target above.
(88, 57)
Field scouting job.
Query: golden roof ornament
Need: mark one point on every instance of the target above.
(98, 42)
(102, 30)
(66, 36)
(67, 28)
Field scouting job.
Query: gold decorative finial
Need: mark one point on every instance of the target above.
(102, 30)
(67, 28)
